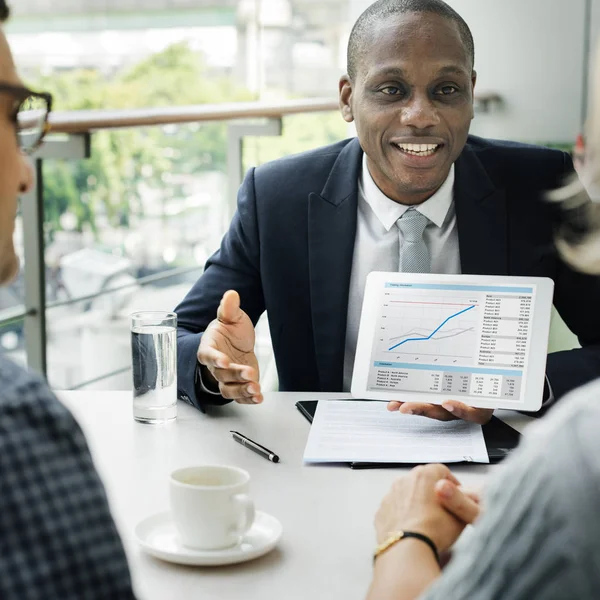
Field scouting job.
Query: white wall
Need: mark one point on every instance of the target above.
(531, 52)
(594, 41)
(595, 24)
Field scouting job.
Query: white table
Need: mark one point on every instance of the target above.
(327, 512)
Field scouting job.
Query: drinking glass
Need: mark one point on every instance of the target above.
(154, 361)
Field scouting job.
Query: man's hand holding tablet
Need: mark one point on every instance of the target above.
(448, 411)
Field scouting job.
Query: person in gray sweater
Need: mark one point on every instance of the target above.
(538, 536)
(537, 533)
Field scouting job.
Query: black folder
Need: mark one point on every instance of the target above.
(500, 438)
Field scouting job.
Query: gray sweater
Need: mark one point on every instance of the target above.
(539, 536)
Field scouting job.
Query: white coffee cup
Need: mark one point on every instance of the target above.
(210, 506)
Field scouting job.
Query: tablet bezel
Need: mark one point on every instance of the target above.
(534, 378)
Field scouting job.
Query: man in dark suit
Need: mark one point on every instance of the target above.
(309, 228)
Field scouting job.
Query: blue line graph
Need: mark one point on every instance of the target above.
(423, 339)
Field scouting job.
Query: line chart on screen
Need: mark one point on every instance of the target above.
(429, 329)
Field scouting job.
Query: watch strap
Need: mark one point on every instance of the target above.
(394, 538)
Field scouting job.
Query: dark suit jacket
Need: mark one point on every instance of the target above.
(290, 245)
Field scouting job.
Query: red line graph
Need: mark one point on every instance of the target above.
(438, 303)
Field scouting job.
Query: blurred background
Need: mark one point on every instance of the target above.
(125, 216)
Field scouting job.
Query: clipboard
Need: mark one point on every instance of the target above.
(500, 439)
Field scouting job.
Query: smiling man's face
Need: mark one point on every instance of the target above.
(412, 103)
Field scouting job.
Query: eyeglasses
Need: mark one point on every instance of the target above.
(30, 115)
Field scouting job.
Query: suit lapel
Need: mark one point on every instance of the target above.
(331, 231)
(481, 215)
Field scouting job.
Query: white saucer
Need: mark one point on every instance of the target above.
(158, 536)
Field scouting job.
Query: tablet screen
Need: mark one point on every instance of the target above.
(452, 339)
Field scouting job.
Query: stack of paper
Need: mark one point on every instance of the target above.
(363, 431)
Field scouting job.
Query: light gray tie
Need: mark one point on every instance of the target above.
(414, 255)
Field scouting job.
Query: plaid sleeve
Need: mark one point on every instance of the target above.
(57, 537)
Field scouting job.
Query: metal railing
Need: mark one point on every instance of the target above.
(70, 139)
(88, 121)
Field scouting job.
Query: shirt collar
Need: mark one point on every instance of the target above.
(388, 212)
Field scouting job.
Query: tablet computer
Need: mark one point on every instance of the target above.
(481, 340)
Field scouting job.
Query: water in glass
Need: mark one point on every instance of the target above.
(154, 356)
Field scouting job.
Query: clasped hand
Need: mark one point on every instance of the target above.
(428, 500)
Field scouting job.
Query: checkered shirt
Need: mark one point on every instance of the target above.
(57, 537)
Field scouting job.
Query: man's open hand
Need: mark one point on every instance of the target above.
(226, 353)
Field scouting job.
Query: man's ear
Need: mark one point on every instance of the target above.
(345, 90)
(473, 82)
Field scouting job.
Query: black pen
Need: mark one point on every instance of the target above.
(260, 450)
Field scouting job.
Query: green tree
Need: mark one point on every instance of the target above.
(109, 182)
(126, 163)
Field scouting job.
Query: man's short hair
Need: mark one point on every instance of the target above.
(4, 11)
(380, 10)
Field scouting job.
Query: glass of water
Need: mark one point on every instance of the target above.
(154, 361)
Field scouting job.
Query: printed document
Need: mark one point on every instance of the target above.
(365, 431)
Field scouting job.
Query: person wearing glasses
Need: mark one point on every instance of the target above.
(57, 536)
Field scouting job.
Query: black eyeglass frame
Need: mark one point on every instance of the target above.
(21, 94)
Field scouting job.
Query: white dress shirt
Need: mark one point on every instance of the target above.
(377, 245)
